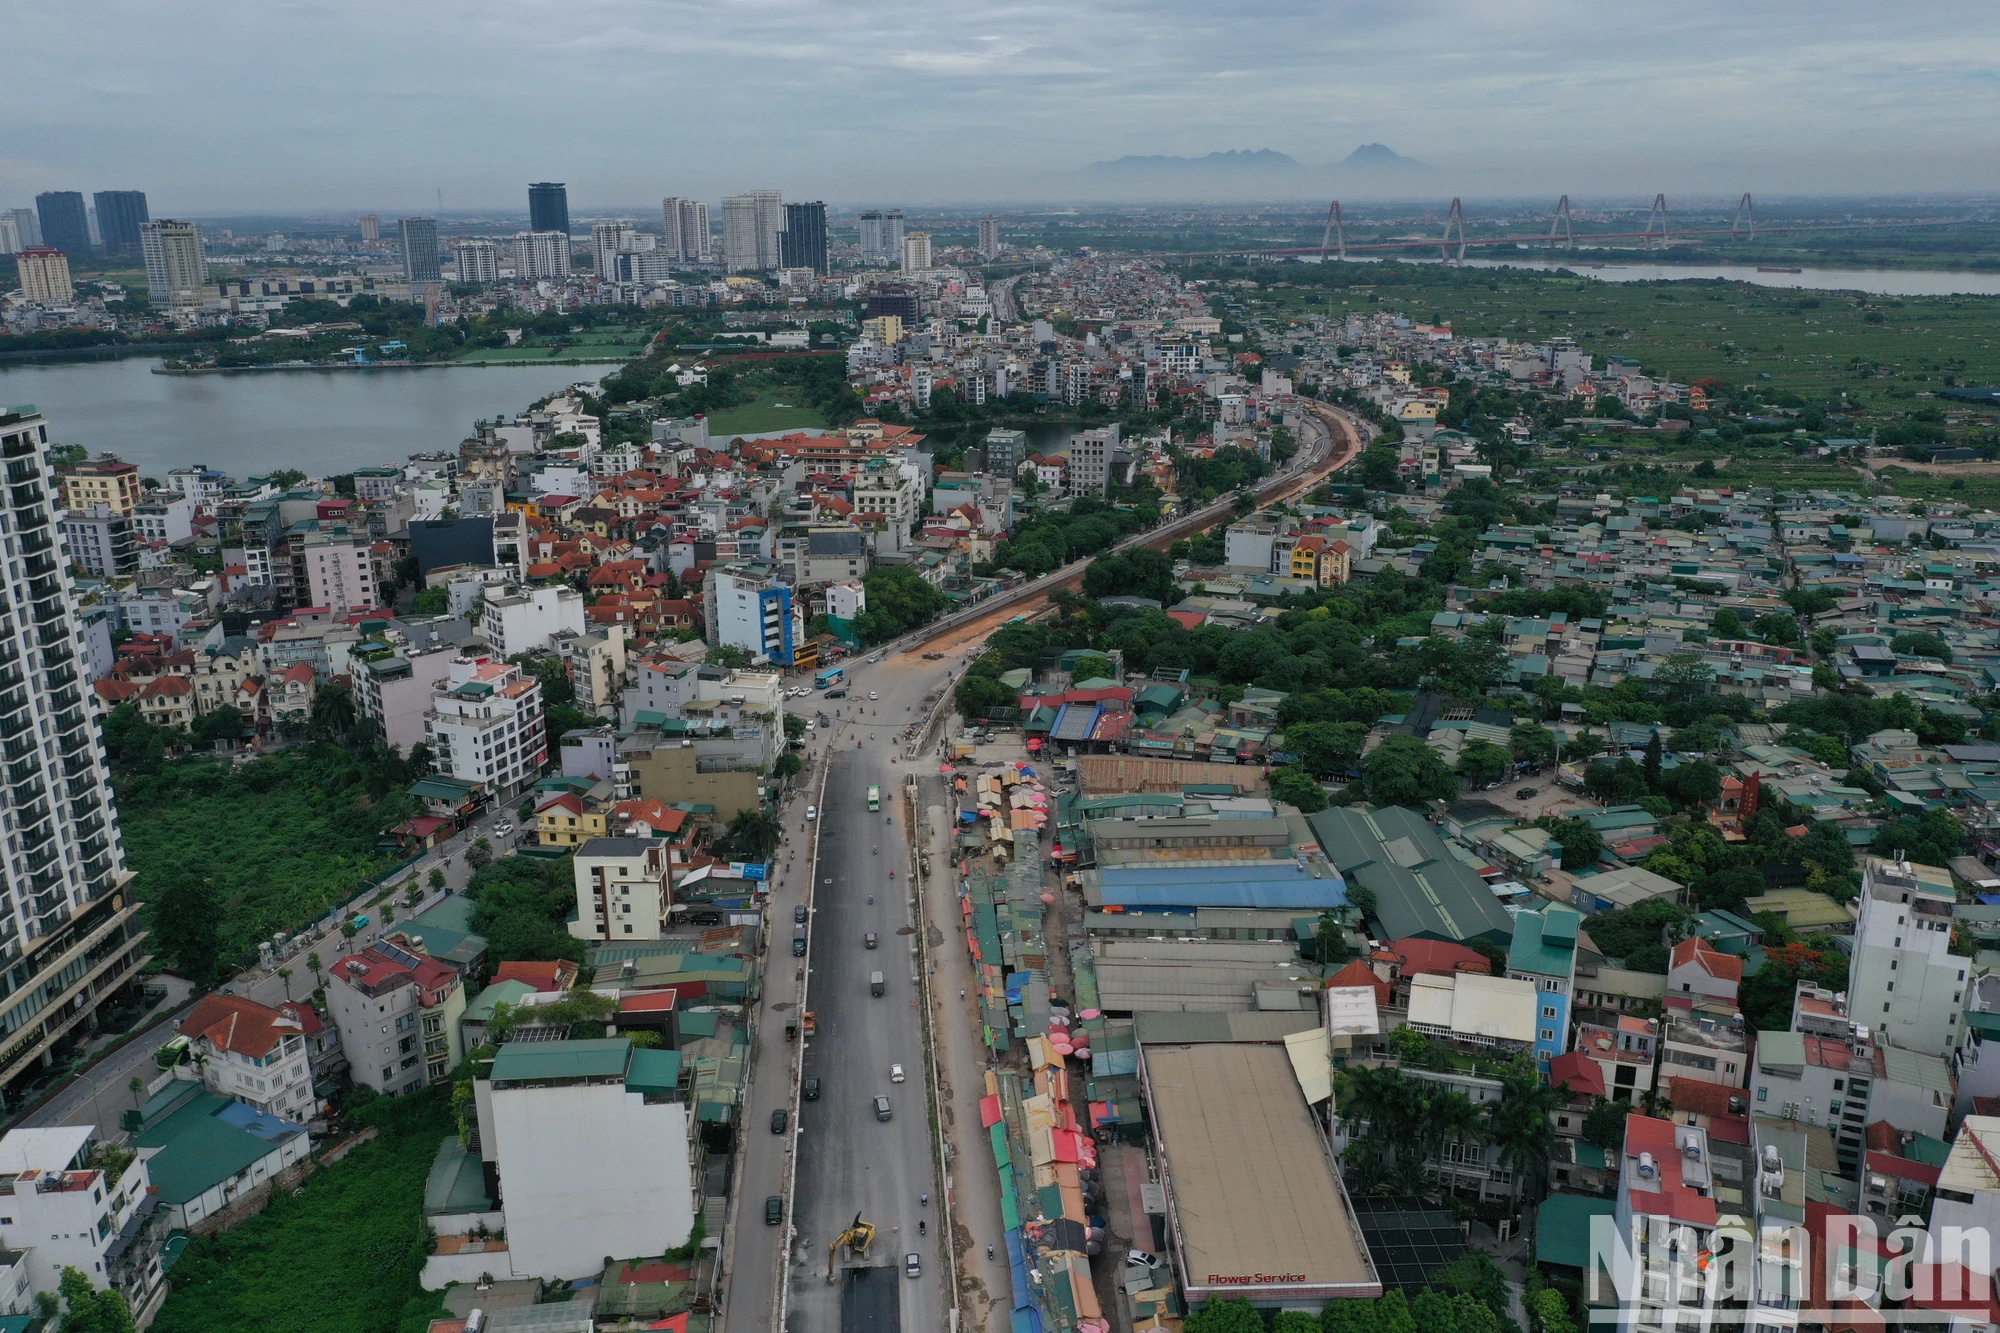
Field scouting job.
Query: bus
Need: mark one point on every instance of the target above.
(830, 676)
(874, 798)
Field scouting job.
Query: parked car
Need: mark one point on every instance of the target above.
(895, 1073)
(799, 914)
(812, 812)
(1525, 793)
(779, 1118)
(774, 1210)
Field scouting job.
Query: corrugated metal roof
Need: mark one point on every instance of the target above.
(602, 1057)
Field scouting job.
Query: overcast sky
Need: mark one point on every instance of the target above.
(215, 106)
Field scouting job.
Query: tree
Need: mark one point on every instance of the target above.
(1581, 845)
(1362, 899)
(754, 834)
(285, 976)
(1536, 745)
(1728, 623)
(1684, 675)
(1696, 783)
(479, 855)
(520, 904)
(332, 712)
(1920, 643)
(899, 600)
(187, 916)
(1093, 666)
(91, 1310)
(1294, 786)
(136, 1086)
(436, 878)
(795, 726)
(1519, 1126)
(1325, 749)
(1483, 762)
(1654, 758)
(315, 966)
(1778, 628)
(222, 724)
(788, 766)
(1605, 1123)
(1402, 770)
(1329, 940)
(1225, 1316)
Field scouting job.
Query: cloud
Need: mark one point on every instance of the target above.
(301, 104)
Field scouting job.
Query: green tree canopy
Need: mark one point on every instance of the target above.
(1402, 770)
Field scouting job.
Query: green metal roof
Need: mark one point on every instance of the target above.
(501, 992)
(1562, 1228)
(653, 1071)
(442, 788)
(1420, 888)
(457, 1183)
(197, 1151)
(537, 1061)
(1538, 950)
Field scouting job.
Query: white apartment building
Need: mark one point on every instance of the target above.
(687, 235)
(622, 890)
(595, 1148)
(541, 254)
(340, 572)
(397, 1012)
(395, 690)
(893, 490)
(486, 725)
(1666, 1214)
(750, 226)
(916, 254)
(1968, 1189)
(59, 1210)
(1847, 1084)
(1906, 985)
(518, 620)
(44, 275)
(748, 608)
(176, 264)
(164, 516)
(252, 1053)
(476, 260)
(1090, 459)
(595, 664)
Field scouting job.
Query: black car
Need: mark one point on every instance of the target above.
(1525, 793)
(810, 1090)
(799, 914)
(774, 1210)
(779, 1118)
(834, 694)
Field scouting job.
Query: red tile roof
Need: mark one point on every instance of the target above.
(1721, 966)
(556, 976)
(1440, 958)
(1580, 1072)
(232, 1023)
(1692, 1094)
(1675, 1198)
(1358, 973)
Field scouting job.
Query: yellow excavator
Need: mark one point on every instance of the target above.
(857, 1238)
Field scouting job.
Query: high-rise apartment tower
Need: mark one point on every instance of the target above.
(69, 934)
(120, 214)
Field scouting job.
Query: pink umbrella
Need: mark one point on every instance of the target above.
(1049, 898)
(1091, 1013)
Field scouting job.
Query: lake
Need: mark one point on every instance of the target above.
(1876, 281)
(320, 422)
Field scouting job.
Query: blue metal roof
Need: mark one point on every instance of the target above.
(1283, 884)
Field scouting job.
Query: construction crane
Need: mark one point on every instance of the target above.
(857, 1238)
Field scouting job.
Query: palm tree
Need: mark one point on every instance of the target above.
(285, 975)
(314, 965)
(1519, 1124)
(756, 833)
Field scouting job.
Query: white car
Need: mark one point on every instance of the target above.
(811, 725)
(895, 1073)
(873, 695)
(503, 828)
(812, 812)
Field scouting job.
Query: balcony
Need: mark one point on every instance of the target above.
(35, 542)
(23, 496)
(19, 446)
(57, 651)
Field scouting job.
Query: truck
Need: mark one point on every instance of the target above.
(875, 983)
(874, 799)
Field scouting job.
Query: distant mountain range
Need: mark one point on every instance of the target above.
(1257, 171)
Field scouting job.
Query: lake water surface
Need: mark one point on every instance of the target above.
(1876, 282)
(320, 422)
